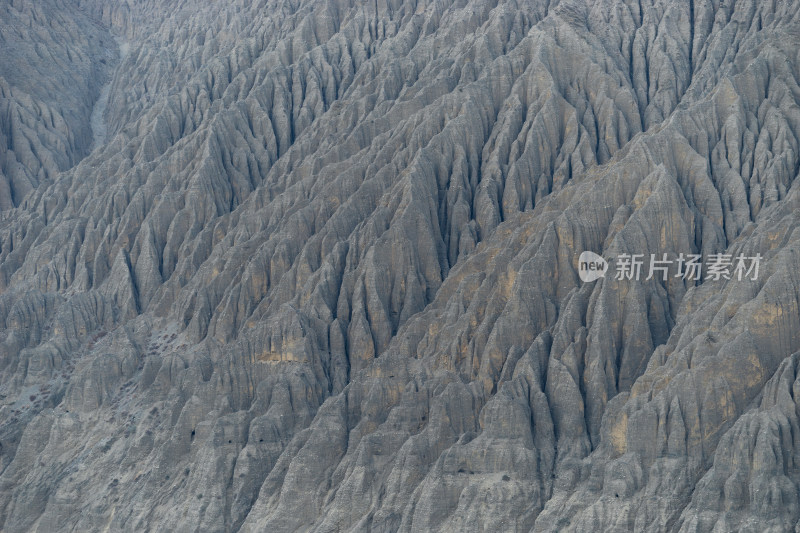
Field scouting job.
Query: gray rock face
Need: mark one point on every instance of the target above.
(321, 273)
(54, 60)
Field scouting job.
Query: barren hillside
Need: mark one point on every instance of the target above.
(312, 265)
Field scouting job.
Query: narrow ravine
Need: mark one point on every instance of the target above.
(97, 119)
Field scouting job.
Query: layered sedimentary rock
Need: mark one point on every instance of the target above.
(321, 272)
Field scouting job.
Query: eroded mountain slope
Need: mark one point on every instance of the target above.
(323, 273)
(53, 63)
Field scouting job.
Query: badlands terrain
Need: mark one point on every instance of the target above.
(312, 265)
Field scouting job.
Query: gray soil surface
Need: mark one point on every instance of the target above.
(313, 266)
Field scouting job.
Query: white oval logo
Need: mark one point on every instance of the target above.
(591, 266)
